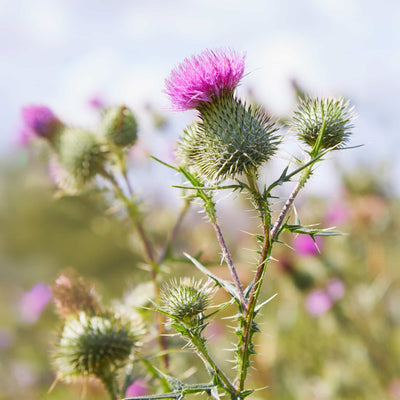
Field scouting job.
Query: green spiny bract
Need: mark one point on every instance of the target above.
(186, 301)
(119, 126)
(230, 139)
(81, 154)
(93, 346)
(313, 113)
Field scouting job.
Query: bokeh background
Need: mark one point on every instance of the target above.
(333, 332)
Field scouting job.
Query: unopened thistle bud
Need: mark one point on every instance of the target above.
(332, 115)
(72, 294)
(81, 154)
(119, 126)
(40, 121)
(231, 138)
(186, 300)
(96, 346)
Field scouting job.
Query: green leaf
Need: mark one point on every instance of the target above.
(296, 228)
(227, 285)
(179, 394)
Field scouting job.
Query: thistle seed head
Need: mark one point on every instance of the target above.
(81, 155)
(313, 113)
(93, 346)
(119, 126)
(186, 300)
(230, 139)
(72, 294)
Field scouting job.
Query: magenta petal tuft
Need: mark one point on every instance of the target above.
(199, 78)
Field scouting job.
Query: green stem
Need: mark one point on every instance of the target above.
(270, 236)
(149, 252)
(174, 232)
(210, 364)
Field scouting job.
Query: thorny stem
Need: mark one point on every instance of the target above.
(227, 256)
(198, 342)
(269, 238)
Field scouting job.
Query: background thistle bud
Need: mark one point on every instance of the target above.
(313, 113)
(81, 154)
(186, 300)
(230, 139)
(119, 126)
(93, 346)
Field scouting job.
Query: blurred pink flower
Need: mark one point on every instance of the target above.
(33, 302)
(305, 246)
(337, 214)
(200, 78)
(96, 102)
(318, 302)
(394, 389)
(335, 289)
(38, 121)
(137, 388)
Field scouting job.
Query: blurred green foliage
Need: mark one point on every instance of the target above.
(350, 352)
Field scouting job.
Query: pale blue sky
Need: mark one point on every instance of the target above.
(60, 52)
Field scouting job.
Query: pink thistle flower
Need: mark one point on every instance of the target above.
(39, 121)
(335, 289)
(305, 245)
(137, 388)
(318, 302)
(200, 78)
(33, 302)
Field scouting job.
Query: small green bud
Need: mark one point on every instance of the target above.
(334, 114)
(230, 139)
(186, 300)
(119, 126)
(93, 346)
(81, 154)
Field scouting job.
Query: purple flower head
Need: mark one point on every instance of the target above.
(200, 78)
(137, 388)
(335, 289)
(33, 302)
(305, 245)
(318, 302)
(39, 120)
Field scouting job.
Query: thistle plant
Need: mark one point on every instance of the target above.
(229, 140)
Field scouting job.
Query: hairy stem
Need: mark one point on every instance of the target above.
(227, 256)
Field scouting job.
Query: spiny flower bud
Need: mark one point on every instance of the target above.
(186, 300)
(335, 115)
(81, 154)
(202, 78)
(93, 346)
(73, 295)
(119, 126)
(40, 121)
(230, 139)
